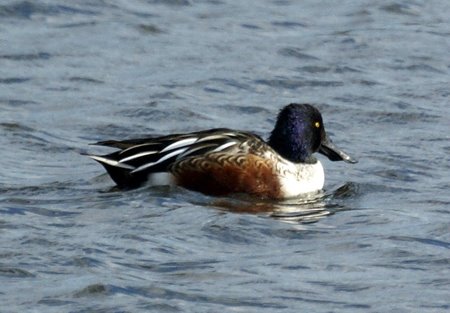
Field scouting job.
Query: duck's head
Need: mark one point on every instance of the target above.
(299, 132)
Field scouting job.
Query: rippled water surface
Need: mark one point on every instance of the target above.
(75, 72)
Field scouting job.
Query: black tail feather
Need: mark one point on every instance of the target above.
(123, 177)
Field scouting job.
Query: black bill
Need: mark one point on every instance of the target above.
(333, 153)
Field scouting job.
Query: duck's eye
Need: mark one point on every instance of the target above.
(317, 124)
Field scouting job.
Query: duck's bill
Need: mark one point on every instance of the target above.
(333, 153)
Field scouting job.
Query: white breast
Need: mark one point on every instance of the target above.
(301, 178)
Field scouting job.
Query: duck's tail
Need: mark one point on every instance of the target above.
(121, 173)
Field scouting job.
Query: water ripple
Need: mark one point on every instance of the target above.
(26, 57)
(26, 9)
(295, 84)
(77, 72)
(14, 272)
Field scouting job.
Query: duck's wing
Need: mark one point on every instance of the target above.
(137, 158)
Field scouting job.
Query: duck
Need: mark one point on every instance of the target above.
(222, 161)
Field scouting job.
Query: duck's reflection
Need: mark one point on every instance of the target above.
(308, 209)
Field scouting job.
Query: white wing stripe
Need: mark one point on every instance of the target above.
(167, 156)
(137, 146)
(212, 137)
(218, 137)
(111, 162)
(224, 146)
(135, 156)
(192, 150)
(180, 143)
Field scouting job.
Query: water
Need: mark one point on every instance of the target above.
(73, 73)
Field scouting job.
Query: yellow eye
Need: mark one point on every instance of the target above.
(317, 124)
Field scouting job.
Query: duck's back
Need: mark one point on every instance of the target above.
(177, 153)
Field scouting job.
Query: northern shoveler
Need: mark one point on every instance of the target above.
(223, 161)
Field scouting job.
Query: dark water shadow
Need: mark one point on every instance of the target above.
(309, 208)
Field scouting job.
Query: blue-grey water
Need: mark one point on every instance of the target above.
(76, 72)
